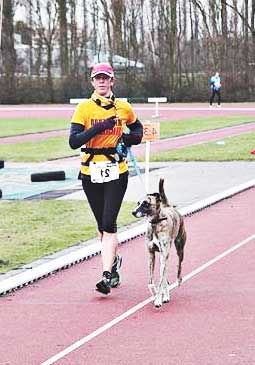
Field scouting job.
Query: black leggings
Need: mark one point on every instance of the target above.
(105, 200)
(215, 92)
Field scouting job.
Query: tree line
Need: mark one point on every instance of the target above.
(179, 43)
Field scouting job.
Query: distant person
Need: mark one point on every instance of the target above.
(215, 84)
(98, 125)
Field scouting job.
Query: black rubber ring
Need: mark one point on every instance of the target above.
(48, 176)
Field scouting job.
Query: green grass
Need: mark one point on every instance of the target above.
(46, 149)
(14, 127)
(32, 229)
(195, 125)
(234, 148)
(57, 147)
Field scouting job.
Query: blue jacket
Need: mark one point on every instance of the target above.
(215, 83)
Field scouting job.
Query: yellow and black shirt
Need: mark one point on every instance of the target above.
(96, 110)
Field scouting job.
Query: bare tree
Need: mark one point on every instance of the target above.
(47, 20)
(117, 8)
(1, 20)
(253, 25)
(63, 37)
(85, 38)
(108, 22)
(8, 53)
(246, 46)
(74, 43)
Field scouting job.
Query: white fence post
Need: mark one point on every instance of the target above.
(157, 101)
(76, 101)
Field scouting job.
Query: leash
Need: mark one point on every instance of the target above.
(129, 151)
(135, 165)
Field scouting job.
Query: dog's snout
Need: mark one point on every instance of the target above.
(138, 213)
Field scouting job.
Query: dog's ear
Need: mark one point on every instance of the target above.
(157, 196)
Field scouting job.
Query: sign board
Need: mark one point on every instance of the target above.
(151, 131)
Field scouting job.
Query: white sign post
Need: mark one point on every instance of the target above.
(147, 166)
(151, 132)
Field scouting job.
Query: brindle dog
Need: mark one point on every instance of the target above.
(165, 226)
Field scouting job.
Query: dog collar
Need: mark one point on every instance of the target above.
(156, 221)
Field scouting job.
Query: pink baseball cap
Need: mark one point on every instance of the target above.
(102, 68)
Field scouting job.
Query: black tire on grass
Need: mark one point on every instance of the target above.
(48, 176)
(1, 164)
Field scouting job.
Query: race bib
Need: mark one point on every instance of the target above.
(103, 171)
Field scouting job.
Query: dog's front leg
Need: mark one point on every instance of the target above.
(151, 284)
(165, 283)
(163, 288)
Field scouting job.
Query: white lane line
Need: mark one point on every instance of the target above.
(134, 309)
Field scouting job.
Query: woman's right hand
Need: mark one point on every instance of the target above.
(108, 123)
(79, 136)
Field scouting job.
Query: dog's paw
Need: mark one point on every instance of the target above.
(158, 302)
(166, 297)
(152, 289)
(179, 281)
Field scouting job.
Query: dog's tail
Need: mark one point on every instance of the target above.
(162, 193)
(179, 242)
(180, 239)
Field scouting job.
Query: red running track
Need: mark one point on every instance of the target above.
(210, 319)
(173, 111)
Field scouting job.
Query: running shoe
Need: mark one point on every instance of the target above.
(104, 285)
(116, 277)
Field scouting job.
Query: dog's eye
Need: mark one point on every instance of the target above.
(146, 204)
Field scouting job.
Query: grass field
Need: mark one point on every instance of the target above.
(230, 149)
(195, 125)
(37, 151)
(32, 229)
(15, 127)
(57, 147)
